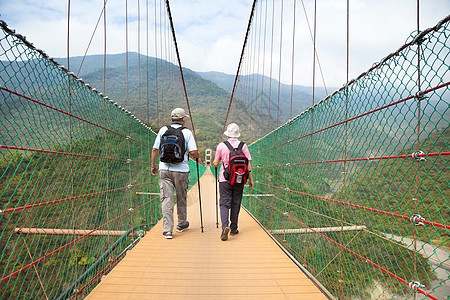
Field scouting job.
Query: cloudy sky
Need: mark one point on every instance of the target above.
(210, 33)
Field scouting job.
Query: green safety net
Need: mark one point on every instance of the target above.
(356, 188)
(75, 183)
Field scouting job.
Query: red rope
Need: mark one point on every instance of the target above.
(352, 252)
(418, 95)
(66, 113)
(358, 206)
(65, 199)
(413, 155)
(70, 243)
(70, 154)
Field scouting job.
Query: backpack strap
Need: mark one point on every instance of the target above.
(170, 126)
(239, 147)
(227, 143)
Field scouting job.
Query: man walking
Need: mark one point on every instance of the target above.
(231, 190)
(173, 143)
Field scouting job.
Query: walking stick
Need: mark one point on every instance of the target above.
(217, 213)
(199, 195)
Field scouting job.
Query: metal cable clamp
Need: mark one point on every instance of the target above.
(417, 219)
(419, 158)
(415, 285)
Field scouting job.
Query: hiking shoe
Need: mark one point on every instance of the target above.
(234, 232)
(181, 228)
(167, 234)
(224, 235)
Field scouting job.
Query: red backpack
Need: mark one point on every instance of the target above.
(237, 171)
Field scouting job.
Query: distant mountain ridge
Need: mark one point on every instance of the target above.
(209, 92)
(301, 95)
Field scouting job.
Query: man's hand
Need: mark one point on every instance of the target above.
(250, 183)
(154, 171)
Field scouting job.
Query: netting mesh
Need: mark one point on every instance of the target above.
(75, 184)
(357, 186)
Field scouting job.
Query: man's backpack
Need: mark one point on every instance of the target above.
(173, 146)
(237, 171)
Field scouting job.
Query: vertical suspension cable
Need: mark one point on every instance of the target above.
(257, 71)
(156, 67)
(314, 55)
(239, 66)
(162, 67)
(312, 111)
(271, 61)
(416, 192)
(71, 187)
(315, 50)
(293, 56)
(128, 109)
(139, 84)
(147, 30)
(263, 70)
(180, 67)
(345, 140)
(166, 58)
(149, 146)
(126, 46)
(108, 237)
(279, 66)
(90, 41)
(253, 95)
(139, 57)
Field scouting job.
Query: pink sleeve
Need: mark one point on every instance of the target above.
(218, 153)
(246, 152)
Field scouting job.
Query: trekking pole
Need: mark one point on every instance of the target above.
(199, 195)
(217, 213)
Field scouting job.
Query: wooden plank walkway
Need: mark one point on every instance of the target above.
(201, 266)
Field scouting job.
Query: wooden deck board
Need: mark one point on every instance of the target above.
(201, 266)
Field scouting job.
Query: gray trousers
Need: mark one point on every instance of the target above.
(169, 181)
(230, 203)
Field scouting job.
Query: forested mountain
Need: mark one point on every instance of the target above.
(208, 95)
(207, 101)
(301, 95)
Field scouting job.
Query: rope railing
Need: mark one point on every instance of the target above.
(373, 155)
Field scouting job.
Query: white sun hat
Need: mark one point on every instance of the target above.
(179, 113)
(232, 130)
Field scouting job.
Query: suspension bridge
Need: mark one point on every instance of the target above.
(350, 198)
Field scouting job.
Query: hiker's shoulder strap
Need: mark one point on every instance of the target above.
(240, 146)
(180, 128)
(227, 143)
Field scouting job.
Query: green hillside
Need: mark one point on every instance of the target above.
(405, 187)
(208, 97)
(208, 102)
